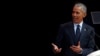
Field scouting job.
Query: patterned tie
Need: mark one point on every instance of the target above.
(77, 34)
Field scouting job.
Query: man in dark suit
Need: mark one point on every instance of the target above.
(75, 38)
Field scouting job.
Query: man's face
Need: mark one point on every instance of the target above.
(78, 14)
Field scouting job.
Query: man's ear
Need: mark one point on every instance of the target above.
(85, 14)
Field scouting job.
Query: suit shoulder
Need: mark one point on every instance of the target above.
(90, 27)
(66, 24)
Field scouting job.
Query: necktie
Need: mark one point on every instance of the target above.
(77, 34)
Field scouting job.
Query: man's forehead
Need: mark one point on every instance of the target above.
(77, 7)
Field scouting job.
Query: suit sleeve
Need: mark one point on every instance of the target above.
(60, 36)
(90, 45)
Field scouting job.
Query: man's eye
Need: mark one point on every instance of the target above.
(77, 13)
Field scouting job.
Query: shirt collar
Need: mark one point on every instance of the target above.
(81, 23)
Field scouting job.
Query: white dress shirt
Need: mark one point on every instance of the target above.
(75, 26)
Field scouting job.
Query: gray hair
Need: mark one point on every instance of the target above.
(83, 7)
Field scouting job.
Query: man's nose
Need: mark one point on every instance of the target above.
(74, 14)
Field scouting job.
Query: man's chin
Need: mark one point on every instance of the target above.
(75, 21)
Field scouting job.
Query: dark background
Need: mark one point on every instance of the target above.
(59, 12)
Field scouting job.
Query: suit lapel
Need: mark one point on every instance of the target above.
(83, 32)
(72, 33)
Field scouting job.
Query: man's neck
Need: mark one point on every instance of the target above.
(78, 22)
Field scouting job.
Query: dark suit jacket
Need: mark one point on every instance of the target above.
(66, 36)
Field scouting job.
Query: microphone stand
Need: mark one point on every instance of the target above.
(98, 37)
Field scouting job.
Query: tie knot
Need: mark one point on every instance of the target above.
(78, 26)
